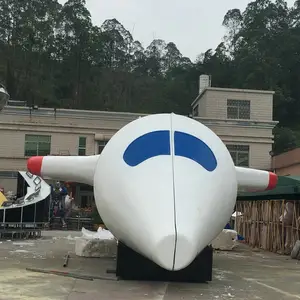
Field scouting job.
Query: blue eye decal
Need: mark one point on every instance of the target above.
(189, 146)
(158, 143)
(149, 145)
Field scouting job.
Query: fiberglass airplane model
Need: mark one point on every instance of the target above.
(165, 186)
(3, 96)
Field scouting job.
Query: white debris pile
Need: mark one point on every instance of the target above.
(226, 240)
(96, 244)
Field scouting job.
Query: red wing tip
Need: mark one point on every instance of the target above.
(34, 165)
(273, 179)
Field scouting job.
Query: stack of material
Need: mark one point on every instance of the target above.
(226, 240)
(96, 244)
(272, 225)
(295, 254)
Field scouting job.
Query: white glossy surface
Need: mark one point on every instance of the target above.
(70, 168)
(199, 192)
(3, 97)
(37, 190)
(137, 203)
(162, 208)
(251, 179)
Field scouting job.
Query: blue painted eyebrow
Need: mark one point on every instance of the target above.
(146, 146)
(189, 146)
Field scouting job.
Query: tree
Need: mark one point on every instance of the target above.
(285, 140)
(233, 23)
(53, 55)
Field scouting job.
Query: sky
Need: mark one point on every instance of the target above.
(193, 25)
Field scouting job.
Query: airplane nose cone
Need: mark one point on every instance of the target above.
(171, 260)
(175, 258)
(165, 256)
(163, 252)
(185, 252)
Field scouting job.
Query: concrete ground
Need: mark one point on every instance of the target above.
(239, 274)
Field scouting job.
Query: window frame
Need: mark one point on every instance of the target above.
(37, 141)
(8, 174)
(243, 108)
(101, 144)
(237, 153)
(82, 147)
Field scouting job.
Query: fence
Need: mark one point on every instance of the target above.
(24, 221)
(28, 221)
(20, 230)
(75, 224)
(272, 225)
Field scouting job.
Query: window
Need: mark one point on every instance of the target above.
(239, 154)
(37, 145)
(101, 145)
(238, 109)
(8, 174)
(82, 146)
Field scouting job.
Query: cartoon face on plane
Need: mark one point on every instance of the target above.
(165, 185)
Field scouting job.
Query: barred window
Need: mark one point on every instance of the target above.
(239, 154)
(101, 145)
(37, 145)
(8, 174)
(238, 109)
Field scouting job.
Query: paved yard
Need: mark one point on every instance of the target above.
(242, 274)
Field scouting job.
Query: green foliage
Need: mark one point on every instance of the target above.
(285, 140)
(53, 55)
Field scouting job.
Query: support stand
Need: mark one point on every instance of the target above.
(133, 266)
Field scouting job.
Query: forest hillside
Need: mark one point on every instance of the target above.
(53, 55)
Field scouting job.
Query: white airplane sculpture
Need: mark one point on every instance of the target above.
(3, 97)
(165, 185)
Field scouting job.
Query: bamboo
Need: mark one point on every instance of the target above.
(261, 227)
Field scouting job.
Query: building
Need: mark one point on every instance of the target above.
(287, 163)
(242, 119)
(26, 132)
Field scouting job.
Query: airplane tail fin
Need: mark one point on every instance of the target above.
(79, 169)
(253, 180)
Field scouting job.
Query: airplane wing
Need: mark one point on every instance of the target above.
(253, 180)
(65, 168)
(82, 169)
